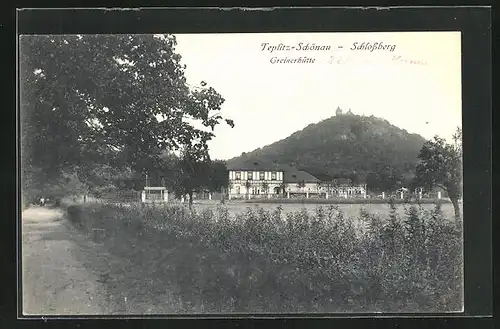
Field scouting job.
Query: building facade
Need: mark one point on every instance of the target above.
(154, 194)
(299, 183)
(249, 183)
(344, 191)
(254, 180)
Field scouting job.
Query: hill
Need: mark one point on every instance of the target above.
(364, 149)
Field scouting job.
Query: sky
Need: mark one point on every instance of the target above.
(414, 82)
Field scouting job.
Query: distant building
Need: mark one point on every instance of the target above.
(255, 180)
(340, 112)
(299, 182)
(345, 190)
(154, 194)
(258, 180)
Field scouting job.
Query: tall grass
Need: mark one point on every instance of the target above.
(310, 262)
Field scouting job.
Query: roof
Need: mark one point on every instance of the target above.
(154, 188)
(295, 176)
(290, 173)
(248, 164)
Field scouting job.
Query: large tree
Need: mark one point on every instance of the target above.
(110, 99)
(385, 179)
(191, 174)
(441, 166)
(218, 177)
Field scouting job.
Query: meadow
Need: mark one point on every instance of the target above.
(238, 259)
(350, 210)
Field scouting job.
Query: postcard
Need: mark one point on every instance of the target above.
(241, 173)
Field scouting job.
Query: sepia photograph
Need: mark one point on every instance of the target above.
(241, 173)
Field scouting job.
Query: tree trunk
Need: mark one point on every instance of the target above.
(222, 195)
(456, 207)
(190, 200)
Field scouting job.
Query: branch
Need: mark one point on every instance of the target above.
(214, 115)
(441, 186)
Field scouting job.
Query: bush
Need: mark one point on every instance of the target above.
(317, 262)
(75, 213)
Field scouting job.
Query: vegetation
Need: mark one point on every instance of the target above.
(218, 177)
(362, 149)
(258, 262)
(301, 184)
(248, 185)
(190, 174)
(195, 173)
(98, 102)
(265, 187)
(282, 188)
(441, 166)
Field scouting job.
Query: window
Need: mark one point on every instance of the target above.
(238, 175)
(262, 175)
(250, 175)
(273, 175)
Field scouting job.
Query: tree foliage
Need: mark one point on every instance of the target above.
(116, 100)
(385, 179)
(441, 166)
(218, 176)
(193, 172)
(248, 185)
(265, 187)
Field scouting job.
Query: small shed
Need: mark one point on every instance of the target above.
(154, 194)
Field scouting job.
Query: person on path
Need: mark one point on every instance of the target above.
(42, 201)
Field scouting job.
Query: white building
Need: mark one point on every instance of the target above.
(344, 191)
(154, 194)
(247, 182)
(257, 180)
(301, 183)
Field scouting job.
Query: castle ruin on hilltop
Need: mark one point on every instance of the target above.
(340, 112)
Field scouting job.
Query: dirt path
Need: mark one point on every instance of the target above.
(65, 273)
(54, 281)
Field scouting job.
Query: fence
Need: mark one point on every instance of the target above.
(408, 195)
